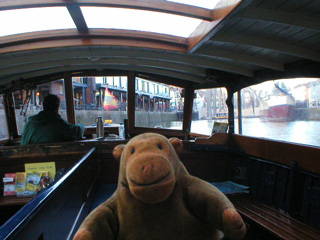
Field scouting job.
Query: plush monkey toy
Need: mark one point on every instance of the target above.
(157, 199)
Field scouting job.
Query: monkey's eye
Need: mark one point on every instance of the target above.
(159, 146)
(132, 150)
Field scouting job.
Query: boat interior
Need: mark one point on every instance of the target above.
(233, 44)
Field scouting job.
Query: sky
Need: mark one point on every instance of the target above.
(49, 18)
(298, 93)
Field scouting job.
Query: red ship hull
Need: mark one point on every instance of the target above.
(279, 113)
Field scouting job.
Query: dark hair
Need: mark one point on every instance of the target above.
(51, 102)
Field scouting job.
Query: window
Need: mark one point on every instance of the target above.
(109, 81)
(124, 82)
(3, 121)
(101, 96)
(34, 19)
(116, 81)
(78, 80)
(155, 110)
(45, 18)
(287, 110)
(152, 86)
(28, 103)
(131, 19)
(209, 106)
(139, 84)
(145, 86)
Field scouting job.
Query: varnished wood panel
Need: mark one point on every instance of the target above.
(307, 157)
(102, 37)
(207, 29)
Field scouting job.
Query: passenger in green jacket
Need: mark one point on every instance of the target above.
(48, 126)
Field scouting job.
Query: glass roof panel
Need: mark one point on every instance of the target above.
(209, 4)
(128, 19)
(34, 19)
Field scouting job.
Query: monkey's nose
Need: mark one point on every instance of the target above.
(147, 169)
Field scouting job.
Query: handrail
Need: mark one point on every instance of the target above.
(19, 221)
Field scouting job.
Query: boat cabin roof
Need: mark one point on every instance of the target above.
(235, 44)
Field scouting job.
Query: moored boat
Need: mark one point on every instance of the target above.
(280, 108)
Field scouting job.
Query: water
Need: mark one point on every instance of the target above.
(303, 132)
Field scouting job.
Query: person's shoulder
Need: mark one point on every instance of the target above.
(60, 120)
(81, 125)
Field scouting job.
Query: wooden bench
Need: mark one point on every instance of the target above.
(274, 221)
(13, 200)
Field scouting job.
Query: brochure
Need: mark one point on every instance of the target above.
(20, 182)
(219, 127)
(9, 184)
(33, 181)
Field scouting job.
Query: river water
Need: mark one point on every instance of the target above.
(304, 132)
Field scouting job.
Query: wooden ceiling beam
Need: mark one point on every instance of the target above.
(263, 43)
(101, 63)
(240, 57)
(94, 33)
(97, 37)
(297, 69)
(207, 30)
(149, 5)
(160, 72)
(143, 53)
(78, 18)
(280, 17)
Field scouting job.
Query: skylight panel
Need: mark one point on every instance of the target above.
(209, 4)
(128, 19)
(34, 19)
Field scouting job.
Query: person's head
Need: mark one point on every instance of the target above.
(51, 102)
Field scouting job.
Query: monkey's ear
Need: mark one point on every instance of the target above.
(117, 151)
(176, 143)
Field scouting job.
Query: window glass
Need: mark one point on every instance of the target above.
(145, 86)
(34, 19)
(124, 82)
(158, 109)
(287, 110)
(236, 113)
(209, 107)
(152, 87)
(116, 81)
(139, 84)
(140, 20)
(100, 96)
(109, 81)
(29, 102)
(3, 121)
